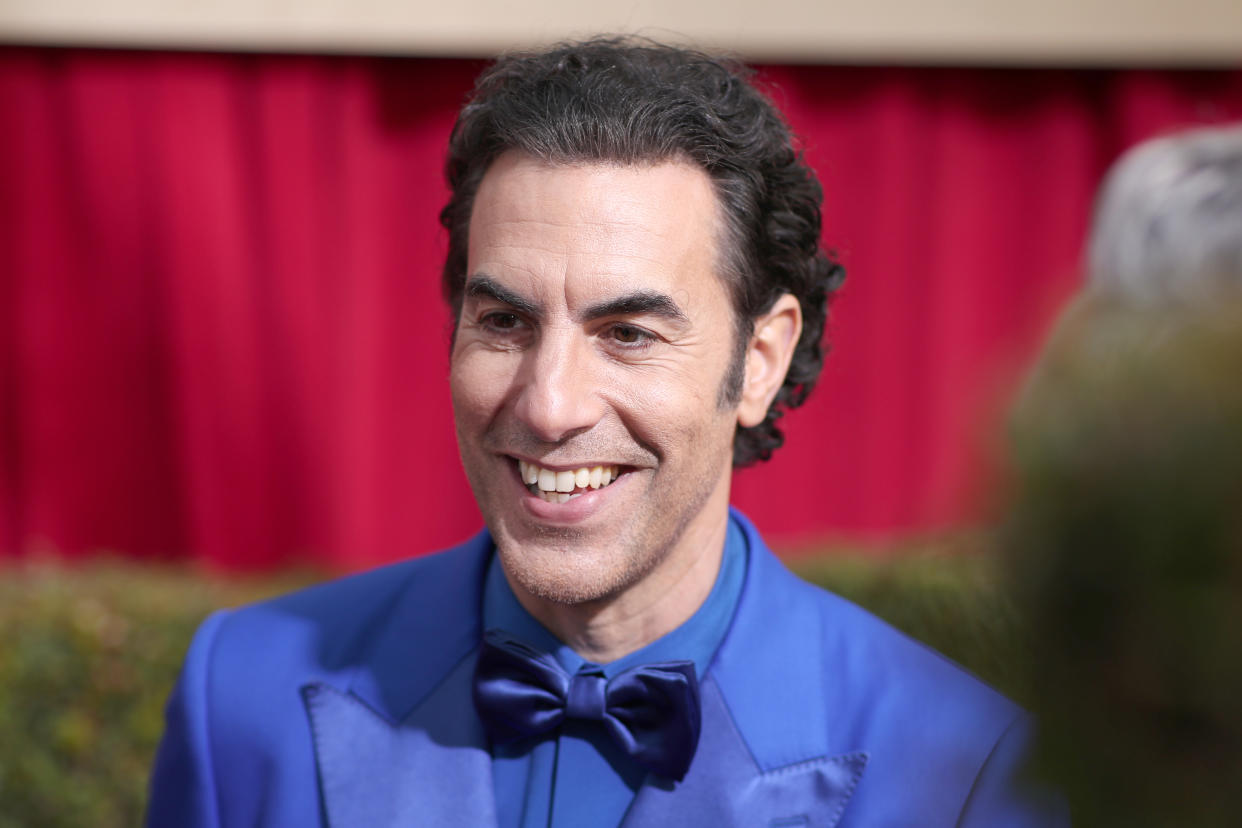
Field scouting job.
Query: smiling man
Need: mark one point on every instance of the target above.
(638, 289)
(594, 334)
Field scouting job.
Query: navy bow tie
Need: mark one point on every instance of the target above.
(651, 711)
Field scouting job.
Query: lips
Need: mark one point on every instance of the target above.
(559, 486)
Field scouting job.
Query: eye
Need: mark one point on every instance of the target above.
(630, 336)
(502, 321)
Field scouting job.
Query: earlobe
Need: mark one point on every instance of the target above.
(767, 358)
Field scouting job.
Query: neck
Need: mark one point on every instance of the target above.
(605, 630)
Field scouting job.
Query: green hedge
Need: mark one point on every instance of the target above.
(88, 656)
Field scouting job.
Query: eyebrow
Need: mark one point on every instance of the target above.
(641, 302)
(637, 303)
(487, 286)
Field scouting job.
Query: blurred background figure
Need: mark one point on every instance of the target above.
(1168, 223)
(1125, 541)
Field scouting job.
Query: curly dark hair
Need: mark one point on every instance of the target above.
(636, 101)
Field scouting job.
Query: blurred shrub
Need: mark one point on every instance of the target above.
(89, 655)
(1126, 551)
(87, 658)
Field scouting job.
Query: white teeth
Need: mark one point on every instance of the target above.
(560, 486)
(530, 472)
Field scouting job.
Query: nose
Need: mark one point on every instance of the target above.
(558, 394)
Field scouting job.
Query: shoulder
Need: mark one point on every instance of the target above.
(938, 740)
(858, 661)
(867, 671)
(237, 743)
(331, 626)
(908, 686)
(876, 681)
(356, 633)
(812, 670)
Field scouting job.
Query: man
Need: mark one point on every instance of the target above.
(638, 288)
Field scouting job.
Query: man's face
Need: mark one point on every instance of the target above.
(594, 334)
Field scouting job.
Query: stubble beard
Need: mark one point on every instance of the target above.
(554, 564)
(559, 570)
(557, 566)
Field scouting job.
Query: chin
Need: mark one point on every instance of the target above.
(564, 573)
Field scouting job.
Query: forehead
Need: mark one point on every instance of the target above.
(595, 225)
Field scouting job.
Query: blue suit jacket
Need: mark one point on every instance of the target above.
(349, 705)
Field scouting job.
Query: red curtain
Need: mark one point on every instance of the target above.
(221, 335)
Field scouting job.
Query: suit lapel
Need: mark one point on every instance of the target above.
(431, 769)
(766, 754)
(403, 747)
(725, 786)
(402, 744)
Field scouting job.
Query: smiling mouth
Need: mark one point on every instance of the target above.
(562, 486)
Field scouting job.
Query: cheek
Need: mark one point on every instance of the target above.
(670, 407)
(477, 388)
(687, 384)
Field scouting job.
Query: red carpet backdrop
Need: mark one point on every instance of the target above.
(221, 336)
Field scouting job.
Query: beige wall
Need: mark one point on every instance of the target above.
(1150, 32)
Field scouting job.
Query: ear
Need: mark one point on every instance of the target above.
(767, 358)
